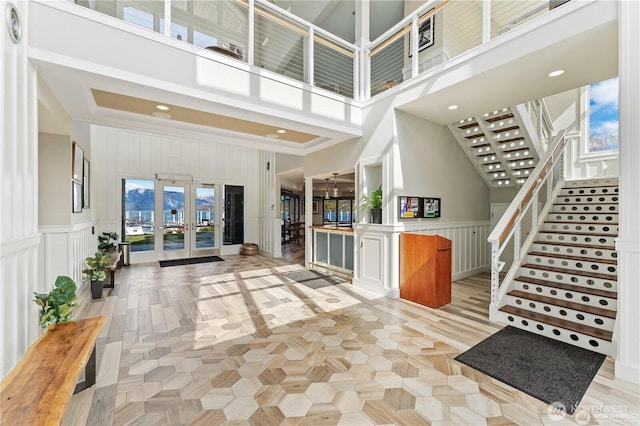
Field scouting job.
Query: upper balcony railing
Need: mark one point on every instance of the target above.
(266, 36)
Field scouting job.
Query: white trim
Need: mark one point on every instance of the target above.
(61, 229)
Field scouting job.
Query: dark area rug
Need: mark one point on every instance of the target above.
(314, 279)
(191, 261)
(547, 369)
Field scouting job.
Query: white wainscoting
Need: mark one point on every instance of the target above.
(19, 278)
(63, 250)
(377, 252)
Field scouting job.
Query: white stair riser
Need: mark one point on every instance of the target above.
(607, 229)
(588, 199)
(608, 254)
(607, 190)
(572, 279)
(576, 265)
(608, 241)
(578, 297)
(583, 341)
(584, 208)
(567, 314)
(611, 218)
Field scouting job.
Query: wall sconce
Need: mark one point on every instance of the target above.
(326, 192)
(335, 185)
(268, 165)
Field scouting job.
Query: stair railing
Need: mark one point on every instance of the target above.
(522, 218)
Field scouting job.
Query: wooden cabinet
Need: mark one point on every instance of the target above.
(425, 269)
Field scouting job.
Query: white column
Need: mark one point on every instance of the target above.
(308, 220)
(628, 241)
(362, 40)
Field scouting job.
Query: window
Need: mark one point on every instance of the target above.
(138, 203)
(338, 211)
(603, 116)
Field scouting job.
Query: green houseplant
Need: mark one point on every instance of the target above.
(107, 242)
(97, 272)
(56, 307)
(373, 203)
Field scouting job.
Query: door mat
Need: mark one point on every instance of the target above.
(549, 370)
(191, 261)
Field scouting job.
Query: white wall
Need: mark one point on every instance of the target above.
(18, 191)
(118, 154)
(628, 241)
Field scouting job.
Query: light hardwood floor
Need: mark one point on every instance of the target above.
(253, 340)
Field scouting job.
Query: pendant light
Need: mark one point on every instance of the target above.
(326, 192)
(335, 185)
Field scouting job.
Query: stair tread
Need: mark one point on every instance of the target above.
(588, 246)
(578, 258)
(581, 223)
(569, 287)
(572, 271)
(590, 186)
(560, 323)
(542, 231)
(607, 313)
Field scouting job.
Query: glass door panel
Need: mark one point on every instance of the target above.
(233, 220)
(173, 215)
(204, 218)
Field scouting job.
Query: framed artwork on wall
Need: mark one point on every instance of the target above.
(85, 184)
(425, 34)
(77, 162)
(315, 207)
(76, 191)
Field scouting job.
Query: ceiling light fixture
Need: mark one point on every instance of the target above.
(281, 131)
(335, 185)
(556, 73)
(162, 107)
(452, 107)
(326, 192)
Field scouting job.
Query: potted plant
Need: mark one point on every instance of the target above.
(97, 272)
(106, 242)
(373, 203)
(56, 306)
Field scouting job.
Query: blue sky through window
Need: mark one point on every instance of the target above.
(603, 115)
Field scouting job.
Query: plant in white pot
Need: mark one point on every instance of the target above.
(97, 272)
(373, 203)
(56, 307)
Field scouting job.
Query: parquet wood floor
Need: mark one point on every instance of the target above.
(240, 342)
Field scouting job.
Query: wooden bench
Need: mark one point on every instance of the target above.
(38, 389)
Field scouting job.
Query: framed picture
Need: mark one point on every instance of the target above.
(431, 207)
(77, 197)
(85, 184)
(409, 207)
(77, 162)
(315, 207)
(425, 34)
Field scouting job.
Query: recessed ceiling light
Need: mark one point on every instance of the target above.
(273, 136)
(453, 107)
(556, 73)
(162, 107)
(281, 131)
(161, 114)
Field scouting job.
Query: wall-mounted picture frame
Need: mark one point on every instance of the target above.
(431, 207)
(425, 34)
(77, 156)
(409, 207)
(86, 175)
(315, 207)
(76, 193)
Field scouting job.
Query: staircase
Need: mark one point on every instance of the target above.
(501, 146)
(566, 288)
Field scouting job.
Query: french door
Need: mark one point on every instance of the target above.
(188, 219)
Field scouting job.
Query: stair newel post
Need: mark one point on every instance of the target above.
(495, 272)
(516, 241)
(534, 213)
